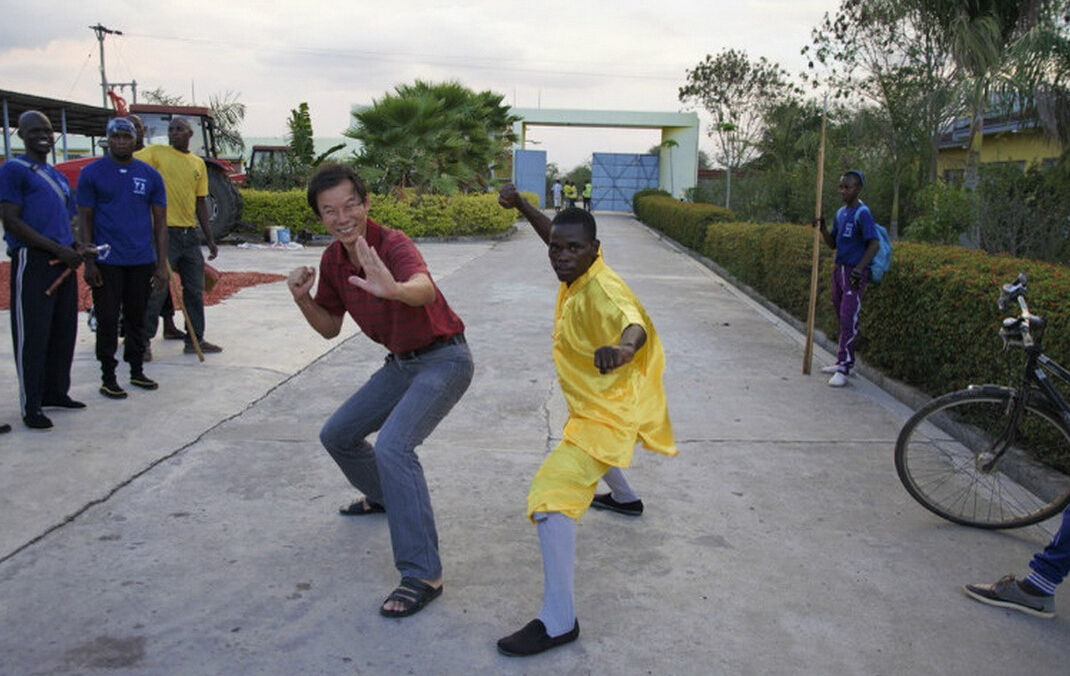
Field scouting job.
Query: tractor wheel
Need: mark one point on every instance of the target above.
(224, 203)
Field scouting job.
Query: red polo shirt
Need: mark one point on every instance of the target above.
(397, 326)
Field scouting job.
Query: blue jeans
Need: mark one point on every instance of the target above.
(404, 400)
(1053, 563)
(184, 255)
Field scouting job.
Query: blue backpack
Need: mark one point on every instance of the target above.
(883, 260)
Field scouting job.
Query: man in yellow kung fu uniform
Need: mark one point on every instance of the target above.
(609, 364)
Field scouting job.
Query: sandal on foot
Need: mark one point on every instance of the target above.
(413, 594)
(362, 507)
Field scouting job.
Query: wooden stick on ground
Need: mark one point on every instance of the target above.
(815, 263)
(176, 294)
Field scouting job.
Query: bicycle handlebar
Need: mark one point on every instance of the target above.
(1020, 326)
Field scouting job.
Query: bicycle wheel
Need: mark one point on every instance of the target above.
(944, 451)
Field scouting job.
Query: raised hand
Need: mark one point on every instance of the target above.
(300, 281)
(377, 279)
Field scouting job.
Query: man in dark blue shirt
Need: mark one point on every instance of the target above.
(37, 208)
(854, 237)
(122, 203)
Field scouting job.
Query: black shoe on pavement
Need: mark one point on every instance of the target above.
(143, 381)
(533, 639)
(66, 402)
(606, 501)
(37, 421)
(111, 390)
(206, 348)
(172, 332)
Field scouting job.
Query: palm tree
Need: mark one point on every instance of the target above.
(440, 138)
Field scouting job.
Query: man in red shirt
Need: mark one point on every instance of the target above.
(377, 276)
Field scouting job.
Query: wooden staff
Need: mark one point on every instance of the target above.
(815, 263)
(59, 280)
(176, 294)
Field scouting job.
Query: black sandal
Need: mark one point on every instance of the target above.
(362, 507)
(413, 593)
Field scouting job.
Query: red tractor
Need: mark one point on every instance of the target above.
(224, 200)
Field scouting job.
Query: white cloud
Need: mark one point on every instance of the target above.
(624, 54)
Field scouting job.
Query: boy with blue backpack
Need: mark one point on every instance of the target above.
(856, 239)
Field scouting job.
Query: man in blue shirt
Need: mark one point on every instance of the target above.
(854, 237)
(122, 203)
(37, 208)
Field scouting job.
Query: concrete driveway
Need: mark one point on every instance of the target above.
(193, 530)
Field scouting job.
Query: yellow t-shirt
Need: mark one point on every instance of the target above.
(609, 413)
(185, 177)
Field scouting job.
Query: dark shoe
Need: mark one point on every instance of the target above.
(143, 381)
(206, 348)
(37, 421)
(1008, 592)
(5, 428)
(172, 332)
(606, 501)
(413, 594)
(111, 390)
(66, 402)
(362, 507)
(148, 352)
(533, 639)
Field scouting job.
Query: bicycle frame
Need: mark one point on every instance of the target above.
(1034, 378)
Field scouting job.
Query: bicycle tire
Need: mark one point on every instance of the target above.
(939, 453)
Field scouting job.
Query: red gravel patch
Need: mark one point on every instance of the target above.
(229, 284)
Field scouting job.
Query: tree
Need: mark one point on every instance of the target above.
(735, 91)
(440, 138)
(300, 135)
(889, 55)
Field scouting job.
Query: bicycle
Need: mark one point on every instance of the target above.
(983, 456)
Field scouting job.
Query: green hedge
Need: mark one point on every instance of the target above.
(685, 222)
(932, 322)
(417, 216)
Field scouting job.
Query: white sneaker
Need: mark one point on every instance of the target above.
(838, 379)
(835, 368)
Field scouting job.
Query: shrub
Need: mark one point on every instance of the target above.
(947, 213)
(289, 209)
(683, 221)
(932, 322)
(416, 215)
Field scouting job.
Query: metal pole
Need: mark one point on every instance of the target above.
(101, 31)
(7, 134)
(63, 126)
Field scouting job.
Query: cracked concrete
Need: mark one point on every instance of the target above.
(193, 530)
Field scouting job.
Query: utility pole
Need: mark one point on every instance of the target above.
(101, 31)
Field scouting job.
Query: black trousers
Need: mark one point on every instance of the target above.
(123, 296)
(44, 328)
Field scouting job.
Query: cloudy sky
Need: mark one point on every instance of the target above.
(596, 55)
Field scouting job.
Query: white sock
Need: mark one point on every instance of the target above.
(557, 539)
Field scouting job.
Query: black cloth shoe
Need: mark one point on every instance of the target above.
(206, 348)
(143, 381)
(111, 390)
(533, 639)
(606, 501)
(5, 428)
(66, 402)
(37, 421)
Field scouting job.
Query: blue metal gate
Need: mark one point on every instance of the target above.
(529, 173)
(615, 177)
